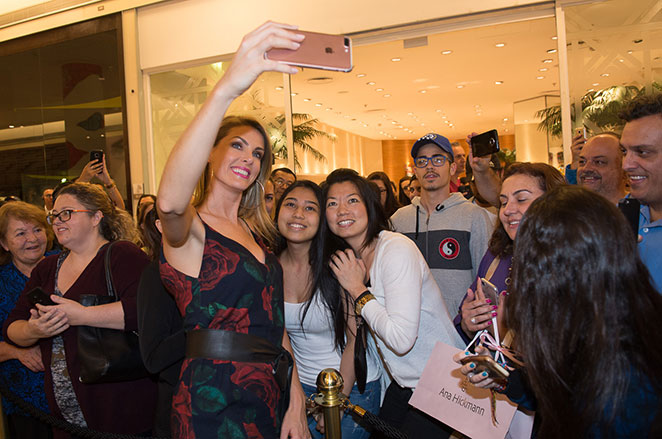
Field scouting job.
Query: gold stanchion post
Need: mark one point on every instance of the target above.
(330, 398)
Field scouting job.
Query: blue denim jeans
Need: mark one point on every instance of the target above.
(369, 400)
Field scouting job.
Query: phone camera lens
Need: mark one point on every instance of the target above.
(346, 41)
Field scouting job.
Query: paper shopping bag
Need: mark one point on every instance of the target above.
(445, 394)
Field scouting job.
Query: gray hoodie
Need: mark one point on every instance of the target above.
(453, 239)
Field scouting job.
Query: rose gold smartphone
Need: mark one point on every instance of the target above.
(318, 51)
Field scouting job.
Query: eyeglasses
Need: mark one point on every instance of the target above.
(437, 160)
(64, 215)
(283, 182)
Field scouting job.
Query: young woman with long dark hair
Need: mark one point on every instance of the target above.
(319, 316)
(394, 293)
(584, 313)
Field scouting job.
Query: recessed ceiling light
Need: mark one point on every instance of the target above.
(551, 51)
(279, 88)
(307, 100)
(500, 44)
(505, 119)
(554, 37)
(629, 52)
(595, 84)
(370, 83)
(605, 74)
(360, 75)
(347, 116)
(379, 89)
(498, 82)
(328, 109)
(438, 111)
(102, 135)
(621, 60)
(446, 52)
(540, 77)
(423, 91)
(547, 61)
(365, 124)
(445, 121)
(318, 105)
(293, 94)
(544, 69)
(410, 114)
(387, 95)
(11, 126)
(396, 59)
(394, 122)
(460, 86)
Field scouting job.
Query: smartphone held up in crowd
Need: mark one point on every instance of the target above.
(318, 51)
(485, 144)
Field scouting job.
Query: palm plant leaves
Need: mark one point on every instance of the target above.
(599, 108)
(303, 132)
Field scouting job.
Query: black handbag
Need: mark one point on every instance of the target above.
(108, 355)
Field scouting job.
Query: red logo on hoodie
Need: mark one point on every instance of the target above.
(449, 248)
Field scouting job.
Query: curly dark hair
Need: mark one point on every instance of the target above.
(642, 106)
(583, 308)
(548, 178)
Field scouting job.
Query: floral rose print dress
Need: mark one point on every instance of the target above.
(233, 292)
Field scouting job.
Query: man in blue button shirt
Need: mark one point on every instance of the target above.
(642, 162)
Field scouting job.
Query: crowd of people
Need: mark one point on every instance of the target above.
(244, 282)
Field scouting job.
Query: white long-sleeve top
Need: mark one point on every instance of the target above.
(409, 315)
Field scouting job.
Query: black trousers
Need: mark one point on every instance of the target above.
(417, 425)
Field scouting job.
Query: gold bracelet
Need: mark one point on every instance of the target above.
(360, 302)
(111, 185)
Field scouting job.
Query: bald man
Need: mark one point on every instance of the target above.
(601, 167)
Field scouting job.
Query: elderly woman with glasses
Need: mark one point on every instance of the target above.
(24, 238)
(85, 222)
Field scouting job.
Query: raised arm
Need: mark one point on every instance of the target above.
(487, 181)
(189, 156)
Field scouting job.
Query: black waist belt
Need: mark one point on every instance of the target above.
(230, 346)
(234, 346)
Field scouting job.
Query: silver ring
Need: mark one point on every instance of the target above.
(473, 320)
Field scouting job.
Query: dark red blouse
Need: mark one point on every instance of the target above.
(126, 407)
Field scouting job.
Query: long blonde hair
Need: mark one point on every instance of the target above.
(252, 208)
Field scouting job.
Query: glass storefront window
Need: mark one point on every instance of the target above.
(614, 54)
(61, 99)
(177, 95)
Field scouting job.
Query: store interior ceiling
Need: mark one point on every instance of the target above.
(452, 82)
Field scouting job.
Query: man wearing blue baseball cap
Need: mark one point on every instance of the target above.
(451, 232)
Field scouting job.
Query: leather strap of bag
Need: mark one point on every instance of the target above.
(492, 268)
(230, 346)
(109, 273)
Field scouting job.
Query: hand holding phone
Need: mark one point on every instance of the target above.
(485, 363)
(38, 296)
(96, 156)
(490, 291)
(485, 144)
